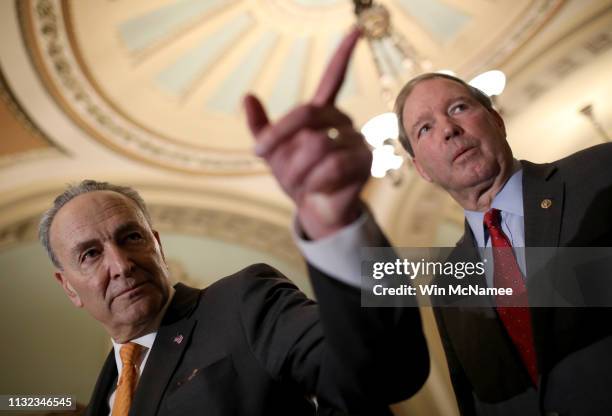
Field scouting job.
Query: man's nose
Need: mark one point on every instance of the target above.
(119, 262)
(451, 130)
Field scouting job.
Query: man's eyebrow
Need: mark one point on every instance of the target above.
(459, 98)
(79, 247)
(128, 226)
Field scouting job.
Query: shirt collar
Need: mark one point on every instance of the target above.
(144, 341)
(509, 200)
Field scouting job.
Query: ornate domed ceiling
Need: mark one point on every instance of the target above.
(162, 81)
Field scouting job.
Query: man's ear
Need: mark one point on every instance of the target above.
(420, 169)
(161, 249)
(72, 294)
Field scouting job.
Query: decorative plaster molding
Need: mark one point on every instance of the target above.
(531, 22)
(29, 156)
(226, 226)
(45, 28)
(8, 98)
(220, 225)
(549, 68)
(23, 231)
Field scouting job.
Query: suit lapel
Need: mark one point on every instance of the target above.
(543, 220)
(172, 338)
(543, 198)
(98, 405)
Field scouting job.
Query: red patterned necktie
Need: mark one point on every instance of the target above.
(127, 380)
(507, 274)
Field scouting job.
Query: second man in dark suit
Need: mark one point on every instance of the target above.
(503, 360)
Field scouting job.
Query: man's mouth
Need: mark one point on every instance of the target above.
(129, 290)
(462, 152)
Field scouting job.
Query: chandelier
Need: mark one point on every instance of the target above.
(395, 59)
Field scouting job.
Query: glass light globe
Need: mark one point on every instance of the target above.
(490, 82)
(380, 128)
(384, 159)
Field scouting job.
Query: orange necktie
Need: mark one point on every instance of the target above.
(126, 386)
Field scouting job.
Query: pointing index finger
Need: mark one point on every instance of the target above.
(336, 70)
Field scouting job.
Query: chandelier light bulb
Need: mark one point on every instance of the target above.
(490, 82)
(385, 159)
(380, 128)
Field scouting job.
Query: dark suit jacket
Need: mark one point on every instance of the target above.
(573, 345)
(253, 344)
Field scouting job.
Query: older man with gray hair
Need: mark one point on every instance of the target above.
(251, 343)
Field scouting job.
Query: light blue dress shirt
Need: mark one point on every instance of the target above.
(510, 202)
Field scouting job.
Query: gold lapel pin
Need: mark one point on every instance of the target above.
(546, 203)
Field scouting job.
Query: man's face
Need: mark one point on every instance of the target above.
(112, 262)
(457, 143)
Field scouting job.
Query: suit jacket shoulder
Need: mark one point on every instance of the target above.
(579, 188)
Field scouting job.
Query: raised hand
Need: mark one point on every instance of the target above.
(315, 153)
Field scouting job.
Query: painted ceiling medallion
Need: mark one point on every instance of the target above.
(162, 81)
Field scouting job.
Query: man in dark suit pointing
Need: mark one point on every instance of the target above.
(504, 359)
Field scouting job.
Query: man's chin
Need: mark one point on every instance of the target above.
(472, 175)
(140, 307)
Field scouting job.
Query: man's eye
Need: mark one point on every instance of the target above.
(458, 108)
(135, 236)
(90, 254)
(424, 129)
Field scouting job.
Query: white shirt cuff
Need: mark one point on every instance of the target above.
(338, 255)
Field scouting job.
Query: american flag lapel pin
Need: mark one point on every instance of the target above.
(178, 339)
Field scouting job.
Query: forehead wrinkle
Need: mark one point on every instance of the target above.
(80, 219)
(98, 214)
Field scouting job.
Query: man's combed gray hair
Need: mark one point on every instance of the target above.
(73, 191)
(400, 101)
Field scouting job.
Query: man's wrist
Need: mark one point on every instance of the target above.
(338, 255)
(312, 229)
